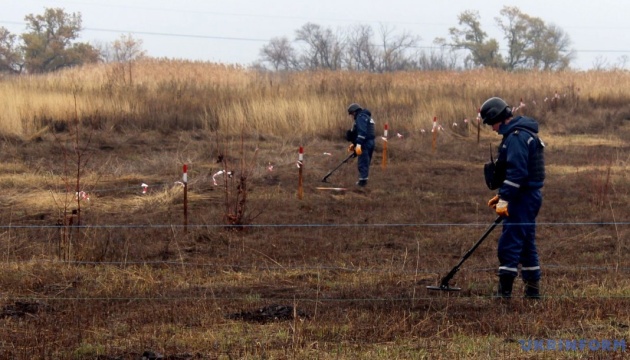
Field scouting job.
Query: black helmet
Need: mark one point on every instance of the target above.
(353, 108)
(494, 110)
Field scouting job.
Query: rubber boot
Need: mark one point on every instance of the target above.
(532, 289)
(505, 286)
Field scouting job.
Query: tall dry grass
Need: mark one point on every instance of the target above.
(167, 95)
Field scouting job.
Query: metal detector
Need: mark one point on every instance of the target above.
(444, 286)
(338, 166)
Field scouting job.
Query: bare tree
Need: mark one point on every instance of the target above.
(127, 49)
(394, 50)
(600, 64)
(280, 54)
(440, 57)
(391, 53)
(360, 51)
(323, 50)
(622, 62)
(124, 51)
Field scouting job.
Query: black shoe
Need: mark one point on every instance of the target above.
(532, 289)
(505, 287)
(362, 183)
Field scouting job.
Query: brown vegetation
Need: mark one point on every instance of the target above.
(352, 265)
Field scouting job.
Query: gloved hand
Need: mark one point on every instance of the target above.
(350, 148)
(502, 208)
(357, 150)
(492, 203)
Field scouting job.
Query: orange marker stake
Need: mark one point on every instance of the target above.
(384, 163)
(300, 164)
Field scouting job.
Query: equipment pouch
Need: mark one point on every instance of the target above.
(351, 135)
(494, 174)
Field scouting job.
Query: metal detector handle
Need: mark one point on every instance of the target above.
(452, 273)
(496, 222)
(352, 155)
(338, 166)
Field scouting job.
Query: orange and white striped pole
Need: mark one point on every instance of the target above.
(185, 181)
(384, 163)
(300, 165)
(434, 130)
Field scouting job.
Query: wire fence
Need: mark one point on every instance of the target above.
(405, 250)
(376, 225)
(133, 247)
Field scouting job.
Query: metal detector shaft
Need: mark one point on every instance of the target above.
(338, 166)
(445, 280)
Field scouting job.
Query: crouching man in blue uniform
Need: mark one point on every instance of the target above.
(518, 173)
(361, 137)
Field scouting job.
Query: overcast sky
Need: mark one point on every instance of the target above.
(233, 31)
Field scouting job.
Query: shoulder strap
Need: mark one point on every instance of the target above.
(517, 129)
(533, 134)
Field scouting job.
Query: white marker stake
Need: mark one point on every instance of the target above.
(478, 125)
(185, 181)
(434, 130)
(300, 179)
(384, 163)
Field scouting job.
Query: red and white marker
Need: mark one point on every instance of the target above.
(82, 195)
(185, 176)
(300, 157)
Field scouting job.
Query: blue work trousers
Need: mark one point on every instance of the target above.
(363, 163)
(517, 244)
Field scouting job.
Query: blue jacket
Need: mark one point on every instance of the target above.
(364, 126)
(521, 152)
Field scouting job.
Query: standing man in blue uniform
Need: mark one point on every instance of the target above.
(362, 138)
(518, 174)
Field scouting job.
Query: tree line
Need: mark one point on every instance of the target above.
(49, 44)
(531, 44)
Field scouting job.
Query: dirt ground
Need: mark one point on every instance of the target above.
(339, 273)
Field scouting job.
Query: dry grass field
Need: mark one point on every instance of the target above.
(246, 269)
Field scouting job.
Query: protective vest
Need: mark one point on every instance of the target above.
(495, 171)
(536, 166)
(363, 128)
